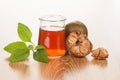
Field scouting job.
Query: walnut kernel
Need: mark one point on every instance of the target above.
(78, 44)
(100, 53)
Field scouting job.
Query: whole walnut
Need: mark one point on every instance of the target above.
(78, 44)
(75, 25)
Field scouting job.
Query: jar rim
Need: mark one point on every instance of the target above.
(52, 18)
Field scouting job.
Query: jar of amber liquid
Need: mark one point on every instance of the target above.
(52, 36)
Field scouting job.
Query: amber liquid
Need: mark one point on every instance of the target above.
(54, 41)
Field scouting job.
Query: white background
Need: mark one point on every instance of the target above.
(100, 16)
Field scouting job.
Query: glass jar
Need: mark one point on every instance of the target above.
(51, 35)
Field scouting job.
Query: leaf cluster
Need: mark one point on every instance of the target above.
(19, 50)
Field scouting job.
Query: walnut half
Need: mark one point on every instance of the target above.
(100, 53)
(78, 44)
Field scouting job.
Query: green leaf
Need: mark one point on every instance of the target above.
(14, 46)
(19, 55)
(41, 55)
(30, 47)
(24, 32)
(39, 47)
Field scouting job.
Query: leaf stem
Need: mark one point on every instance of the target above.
(33, 44)
(33, 51)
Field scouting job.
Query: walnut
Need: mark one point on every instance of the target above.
(100, 53)
(78, 44)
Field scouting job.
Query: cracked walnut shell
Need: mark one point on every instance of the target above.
(78, 44)
(100, 53)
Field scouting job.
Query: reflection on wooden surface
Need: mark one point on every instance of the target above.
(55, 68)
(101, 63)
(20, 67)
(76, 64)
(64, 68)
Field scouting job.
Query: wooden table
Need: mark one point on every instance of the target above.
(64, 68)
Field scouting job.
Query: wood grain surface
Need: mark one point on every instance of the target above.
(72, 68)
(64, 68)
